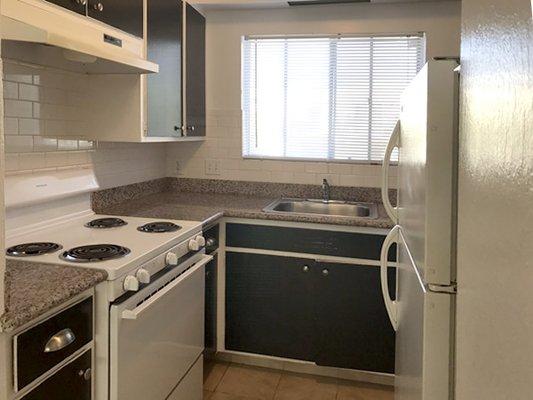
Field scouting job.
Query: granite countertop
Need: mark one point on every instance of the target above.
(207, 207)
(32, 289)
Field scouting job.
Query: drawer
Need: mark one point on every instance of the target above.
(73, 381)
(309, 241)
(32, 358)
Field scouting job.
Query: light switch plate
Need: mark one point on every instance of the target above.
(212, 167)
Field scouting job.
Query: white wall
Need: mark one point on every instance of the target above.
(45, 113)
(495, 252)
(440, 21)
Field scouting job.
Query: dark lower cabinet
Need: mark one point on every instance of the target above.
(331, 314)
(211, 306)
(126, 15)
(78, 6)
(269, 306)
(73, 381)
(353, 328)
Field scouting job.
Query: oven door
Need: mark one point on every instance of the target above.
(157, 334)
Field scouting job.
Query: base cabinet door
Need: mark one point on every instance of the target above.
(352, 323)
(269, 308)
(73, 381)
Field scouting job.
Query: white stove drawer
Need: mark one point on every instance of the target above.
(157, 335)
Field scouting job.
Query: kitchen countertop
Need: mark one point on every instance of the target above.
(208, 207)
(32, 289)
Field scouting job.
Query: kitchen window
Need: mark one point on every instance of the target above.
(325, 97)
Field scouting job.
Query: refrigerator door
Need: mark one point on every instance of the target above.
(427, 162)
(424, 337)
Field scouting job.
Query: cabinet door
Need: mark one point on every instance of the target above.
(78, 6)
(195, 94)
(353, 325)
(211, 306)
(164, 38)
(126, 15)
(73, 381)
(269, 306)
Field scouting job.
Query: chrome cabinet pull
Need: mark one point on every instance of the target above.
(99, 7)
(305, 268)
(325, 272)
(59, 341)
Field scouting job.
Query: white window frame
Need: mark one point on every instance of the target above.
(421, 63)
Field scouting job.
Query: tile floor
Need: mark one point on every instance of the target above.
(224, 381)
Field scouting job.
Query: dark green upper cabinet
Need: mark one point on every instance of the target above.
(195, 72)
(126, 15)
(164, 91)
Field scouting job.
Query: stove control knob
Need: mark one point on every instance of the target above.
(171, 259)
(131, 284)
(143, 276)
(201, 240)
(194, 245)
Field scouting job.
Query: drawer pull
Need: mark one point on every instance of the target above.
(59, 341)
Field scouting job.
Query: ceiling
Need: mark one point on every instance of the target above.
(233, 4)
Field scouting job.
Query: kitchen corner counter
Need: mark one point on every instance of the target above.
(208, 207)
(32, 289)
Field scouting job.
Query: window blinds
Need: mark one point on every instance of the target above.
(324, 98)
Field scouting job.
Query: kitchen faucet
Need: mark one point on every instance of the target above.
(326, 191)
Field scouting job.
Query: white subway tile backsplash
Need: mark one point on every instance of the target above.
(11, 90)
(28, 92)
(44, 144)
(45, 126)
(11, 126)
(18, 108)
(30, 126)
(18, 144)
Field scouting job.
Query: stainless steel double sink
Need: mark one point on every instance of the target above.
(323, 207)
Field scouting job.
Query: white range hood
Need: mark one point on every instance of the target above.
(38, 32)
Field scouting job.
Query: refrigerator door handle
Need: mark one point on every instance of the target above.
(390, 304)
(394, 142)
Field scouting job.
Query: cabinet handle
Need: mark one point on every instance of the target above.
(191, 128)
(59, 341)
(80, 2)
(325, 272)
(305, 269)
(86, 374)
(99, 7)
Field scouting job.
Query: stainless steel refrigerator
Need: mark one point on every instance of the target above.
(423, 313)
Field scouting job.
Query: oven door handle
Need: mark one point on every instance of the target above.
(137, 312)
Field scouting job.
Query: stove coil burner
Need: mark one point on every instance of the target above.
(105, 223)
(95, 253)
(159, 227)
(33, 249)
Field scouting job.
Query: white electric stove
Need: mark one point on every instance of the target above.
(150, 312)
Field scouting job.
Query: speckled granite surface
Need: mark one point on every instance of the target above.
(209, 206)
(33, 289)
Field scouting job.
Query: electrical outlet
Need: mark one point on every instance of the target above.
(212, 167)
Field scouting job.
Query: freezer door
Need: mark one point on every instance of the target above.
(427, 169)
(424, 351)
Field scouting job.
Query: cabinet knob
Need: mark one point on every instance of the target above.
(85, 374)
(80, 2)
(99, 7)
(325, 272)
(305, 269)
(191, 128)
